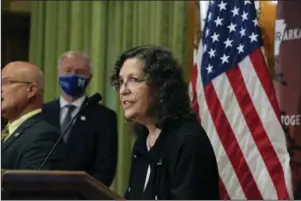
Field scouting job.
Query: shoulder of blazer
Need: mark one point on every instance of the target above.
(51, 104)
(38, 118)
(103, 110)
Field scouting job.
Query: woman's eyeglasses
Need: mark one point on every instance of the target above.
(131, 82)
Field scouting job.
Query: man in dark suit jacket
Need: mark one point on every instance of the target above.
(92, 138)
(28, 138)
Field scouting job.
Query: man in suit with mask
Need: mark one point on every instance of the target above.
(28, 137)
(92, 138)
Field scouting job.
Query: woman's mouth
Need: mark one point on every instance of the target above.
(127, 104)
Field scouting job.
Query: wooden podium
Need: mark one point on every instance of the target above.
(53, 185)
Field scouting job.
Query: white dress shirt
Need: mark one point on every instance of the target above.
(77, 103)
(148, 169)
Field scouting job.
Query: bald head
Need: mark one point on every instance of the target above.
(22, 89)
(25, 71)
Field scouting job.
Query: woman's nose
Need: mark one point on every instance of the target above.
(124, 90)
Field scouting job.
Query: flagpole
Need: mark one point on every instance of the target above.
(190, 37)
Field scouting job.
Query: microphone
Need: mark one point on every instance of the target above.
(91, 101)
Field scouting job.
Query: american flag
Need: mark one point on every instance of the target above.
(233, 95)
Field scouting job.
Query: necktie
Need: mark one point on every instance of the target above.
(4, 133)
(66, 121)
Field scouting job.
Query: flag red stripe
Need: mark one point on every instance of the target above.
(231, 145)
(264, 76)
(258, 132)
(195, 103)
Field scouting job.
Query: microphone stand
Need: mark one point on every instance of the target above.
(62, 135)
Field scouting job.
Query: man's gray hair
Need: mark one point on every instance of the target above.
(75, 53)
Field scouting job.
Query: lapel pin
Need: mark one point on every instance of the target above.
(17, 134)
(159, 163)
(83, 118)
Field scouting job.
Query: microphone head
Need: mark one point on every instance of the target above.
(94, 99)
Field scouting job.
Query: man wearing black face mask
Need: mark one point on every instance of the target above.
(92, 138)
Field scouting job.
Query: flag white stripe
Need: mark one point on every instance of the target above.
(199, 55)
(226, 171)
(244, 137)
(268, 117)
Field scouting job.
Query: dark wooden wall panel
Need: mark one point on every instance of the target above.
(15, 33)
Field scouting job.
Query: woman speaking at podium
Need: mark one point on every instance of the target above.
(172, 157)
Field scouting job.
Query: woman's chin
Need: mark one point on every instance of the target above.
(129, 116)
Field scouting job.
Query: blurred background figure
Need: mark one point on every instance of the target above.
(92, 139)
(27, 138)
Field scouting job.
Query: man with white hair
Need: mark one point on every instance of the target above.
(92, 138)
(28, 137)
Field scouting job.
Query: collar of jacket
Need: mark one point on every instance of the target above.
(156, 153)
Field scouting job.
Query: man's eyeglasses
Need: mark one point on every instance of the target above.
(129, 83)
(8, 82)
